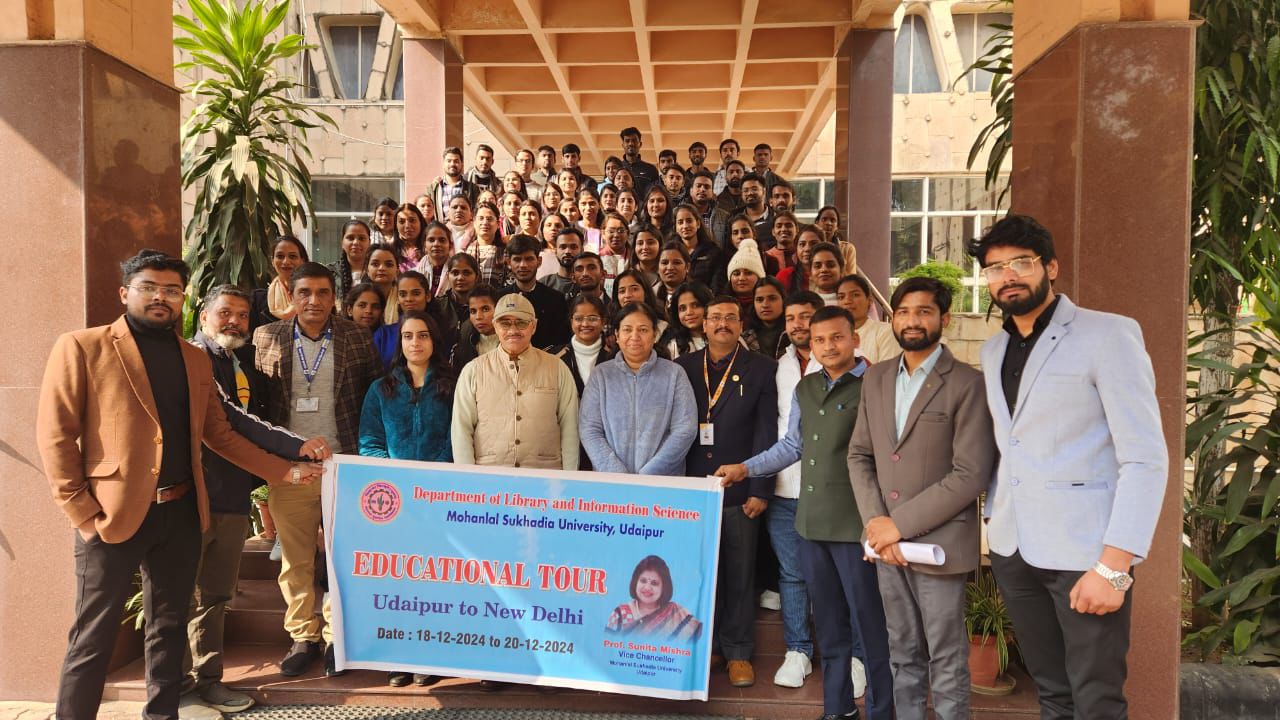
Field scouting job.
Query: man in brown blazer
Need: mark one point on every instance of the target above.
(922, 451)
(124, 409)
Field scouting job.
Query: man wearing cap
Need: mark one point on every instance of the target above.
(571, 155)
(516, 406)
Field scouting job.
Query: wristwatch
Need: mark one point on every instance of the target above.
(296, 476)
(1121, 581)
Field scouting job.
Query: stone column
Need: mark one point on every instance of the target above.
(1102, 157)
(89, 163)
(432, 110)
(864, 133)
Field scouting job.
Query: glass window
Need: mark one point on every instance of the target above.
(337, 200)
(908, 195)
(933, 219)
(904, 253)
(311, 86)
(353, 46)
(914, 69)
(397, 90)
(973, 31)
(807, 195)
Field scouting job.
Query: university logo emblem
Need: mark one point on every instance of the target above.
(380, 502)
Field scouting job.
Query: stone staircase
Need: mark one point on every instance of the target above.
(256, 641)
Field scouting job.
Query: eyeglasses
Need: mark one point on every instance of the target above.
(1022, 266)
(589, 319)
(168, 292)
(509, 324)
(715, 319)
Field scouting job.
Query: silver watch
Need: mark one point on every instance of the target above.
(295, 475)
(1121, 581)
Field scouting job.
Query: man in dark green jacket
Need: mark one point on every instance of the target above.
(846, 596)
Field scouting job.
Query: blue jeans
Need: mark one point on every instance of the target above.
(781, 519)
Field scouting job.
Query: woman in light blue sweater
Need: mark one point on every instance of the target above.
(625, 420)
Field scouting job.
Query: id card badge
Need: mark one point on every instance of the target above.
(307, 405)
(706, 434)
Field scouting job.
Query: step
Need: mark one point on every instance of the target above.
(255, 562)
(256, 617)
(254, 669)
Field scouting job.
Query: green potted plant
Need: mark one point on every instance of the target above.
(990, 633)
(267, 526)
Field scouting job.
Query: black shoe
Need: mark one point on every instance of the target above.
(494, 685)
(424, 680)
(847, 716)
(299, 658)
(330, 664)
(399, 679)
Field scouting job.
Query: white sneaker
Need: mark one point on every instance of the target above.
(795, 668)
(770, 600)
(859, 679)
(277, 551)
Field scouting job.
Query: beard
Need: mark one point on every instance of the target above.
(1035, 296)
(228, 342)
(153, 324)
(568, 261)
(735, 183)
(918, 343)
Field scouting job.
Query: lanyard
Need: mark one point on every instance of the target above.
(706, 378)
(310, 372)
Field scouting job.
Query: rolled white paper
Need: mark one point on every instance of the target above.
(919, 553)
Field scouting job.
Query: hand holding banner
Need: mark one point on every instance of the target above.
(587, 580)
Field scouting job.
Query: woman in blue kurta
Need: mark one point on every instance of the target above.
(407, 412)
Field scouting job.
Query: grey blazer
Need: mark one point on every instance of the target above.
(1083, 461)
(928, 480)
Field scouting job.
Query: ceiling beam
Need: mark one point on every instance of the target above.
(644, 53)
(418, 19)
(814, 116)
(739, 69)
(486, 109)
(533, 21)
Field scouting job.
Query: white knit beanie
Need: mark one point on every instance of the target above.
(747, 258)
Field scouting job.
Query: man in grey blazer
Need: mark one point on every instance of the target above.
(922, 452)
(1082, 472)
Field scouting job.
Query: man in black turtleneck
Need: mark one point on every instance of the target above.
(120, 407)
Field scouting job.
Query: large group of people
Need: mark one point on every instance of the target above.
(661, 320)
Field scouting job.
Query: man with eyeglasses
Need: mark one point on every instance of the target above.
(736, 393)
(124, 409)
(516, 406)
(1081, 473)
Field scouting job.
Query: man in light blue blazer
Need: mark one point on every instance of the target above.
(1082, 473)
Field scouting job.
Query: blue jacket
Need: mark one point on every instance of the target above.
(624, 425)
(412, 425)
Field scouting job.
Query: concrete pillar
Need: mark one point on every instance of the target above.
(864, 160)
(432, 110)
(1102, 157)
(88, 154)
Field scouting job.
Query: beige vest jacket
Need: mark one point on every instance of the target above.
(518, 424)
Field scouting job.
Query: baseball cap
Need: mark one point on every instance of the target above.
(515, 305)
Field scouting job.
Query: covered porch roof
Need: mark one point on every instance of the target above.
(558, 71)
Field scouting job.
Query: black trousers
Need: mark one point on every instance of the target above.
(167, 548)
(848, 616)
(1076, 660)
(735, 587)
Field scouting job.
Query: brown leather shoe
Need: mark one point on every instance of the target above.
(717, 662)
(741, 674)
